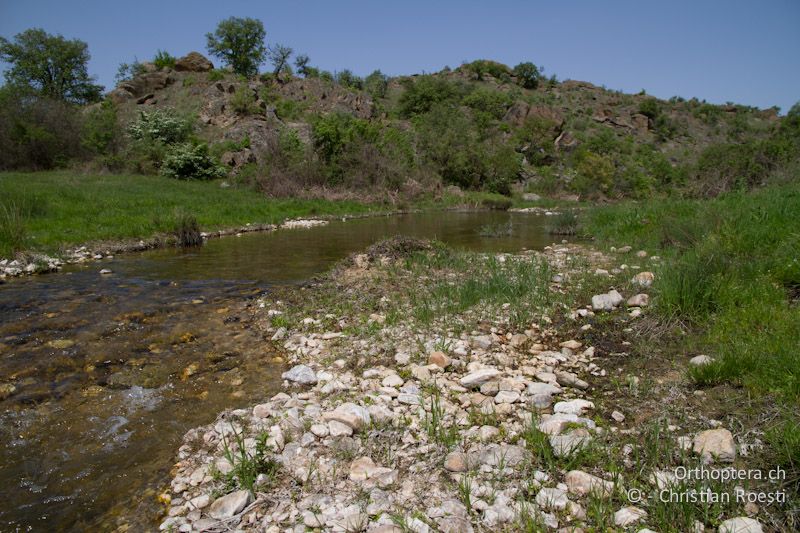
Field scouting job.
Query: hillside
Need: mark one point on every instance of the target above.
(474, 127)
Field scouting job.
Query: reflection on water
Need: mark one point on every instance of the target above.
(108, 372)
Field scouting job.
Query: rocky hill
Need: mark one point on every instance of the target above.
(473, 127)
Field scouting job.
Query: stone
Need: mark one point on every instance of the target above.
(479, 377)
(193, 62)
(629, 515)
(230, 505)
(568, 379)
(338, 429)
(700, 360)
(455, 462)
(106, 271)
(535, 389)
(350, 414)
(484, 342)
(566, 445)
(507, 396)
(617, 416)
(6, 390)
(639, 300)
(576, 407)
(300, 374)
(552, 499)
(392, 380)
(518, 340)
(61, 344)
(364, 468)
(439, 359)
(643, 279)
(607, 301)
(715, 444)
(582, 483)
(740, 524)
(571, 345)
(321, 430)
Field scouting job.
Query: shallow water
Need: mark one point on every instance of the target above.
(111, 371)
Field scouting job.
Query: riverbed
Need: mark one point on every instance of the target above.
(109, 371)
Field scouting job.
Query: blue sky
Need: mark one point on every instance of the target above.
(724, 50)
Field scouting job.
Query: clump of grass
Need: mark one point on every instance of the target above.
(434, 423)
(187, 230)
(247, 466)
(565, 223)
(13, 234)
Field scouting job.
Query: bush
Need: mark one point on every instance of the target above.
(163, 59)
(162, 126)
(481, 67)
(650, 108)
(243, 101)
(347, 79)
(376, 84)
(595, 173)
(494, 103)
(420, 95)
(528, 75)
(187, 161)
(37, 133)
(216, 75)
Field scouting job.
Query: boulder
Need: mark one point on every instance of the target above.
(193, 62)
(479, 377)
(581, 484)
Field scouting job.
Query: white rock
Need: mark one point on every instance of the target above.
(700, 360)
(629, 515)
(643, 279)
(230, 504)
(392, 380)
(552, 499)
(479, 377)
(715, 444)
(576, 407)
(639, 300)
(339, 429)
(581, 484)
(300, 374)
(740, 524)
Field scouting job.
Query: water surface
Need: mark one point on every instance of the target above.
(110, 371)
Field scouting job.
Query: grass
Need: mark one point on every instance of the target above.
(731, 281)
(46, 211)
(247, 466)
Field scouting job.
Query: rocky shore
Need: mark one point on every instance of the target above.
(473, 420)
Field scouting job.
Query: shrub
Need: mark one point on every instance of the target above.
(650, 108)
(216, 75)
(287, 109)
(494, 103)
(163, 126)
(595, 173)
(376, 84)
(187, 230)
(37, 133)
(347, 79)
(528, 75)
(128, 71)
(243, 101)
(100, 129)
(420, 95)
(482, 67)
(163, 59)
(187, 161)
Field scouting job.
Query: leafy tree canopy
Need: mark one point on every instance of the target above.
(239, 43)
(49, 66)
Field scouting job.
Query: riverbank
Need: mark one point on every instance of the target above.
(470, 392)
(48, 219)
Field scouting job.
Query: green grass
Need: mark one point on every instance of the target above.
(46, 211)
(731, 279)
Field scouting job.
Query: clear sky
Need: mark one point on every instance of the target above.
(744, 51)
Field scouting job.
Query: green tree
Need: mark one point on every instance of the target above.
(376, 84)
(301, 62)
(239, 43)
(528, 75)
(50, 66)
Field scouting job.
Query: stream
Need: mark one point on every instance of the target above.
(109, 371)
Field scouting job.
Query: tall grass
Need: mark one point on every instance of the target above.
(731, 276)
(65, 208)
